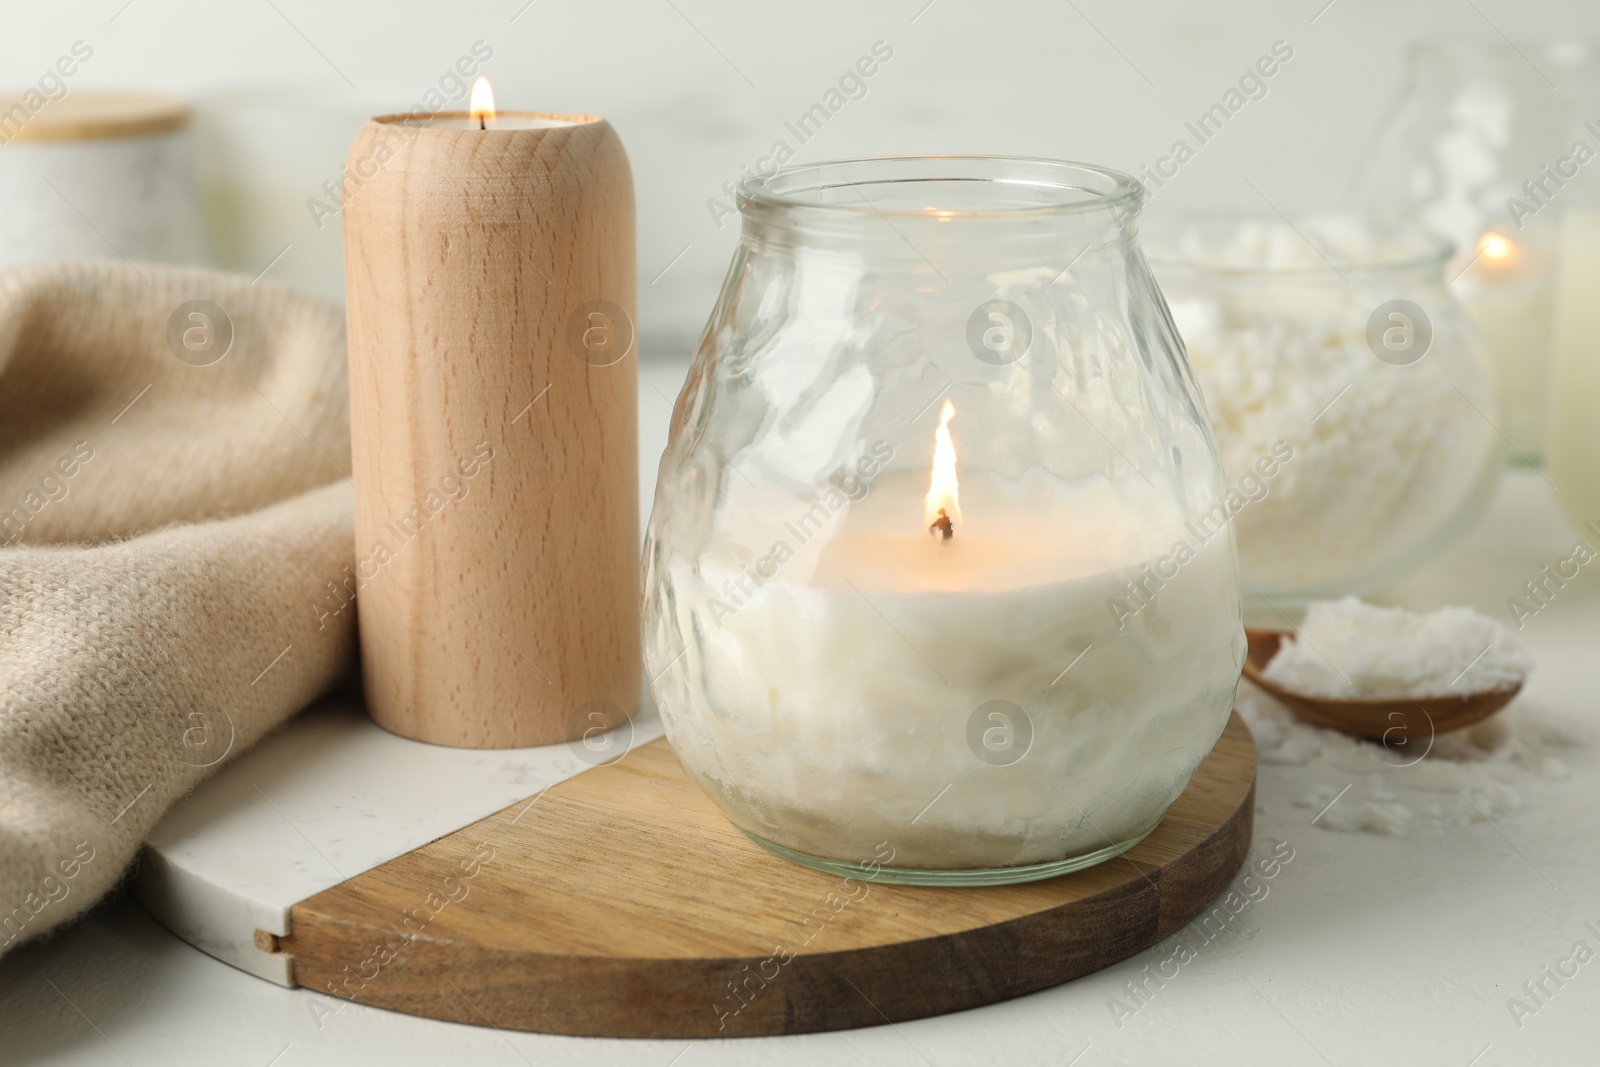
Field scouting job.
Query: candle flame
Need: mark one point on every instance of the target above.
(944, 490)
(481, 105)
(1497, 248)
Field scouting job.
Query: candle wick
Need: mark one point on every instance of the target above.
(943, 525)
(483, 122)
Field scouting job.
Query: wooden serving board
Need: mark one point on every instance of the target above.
(621, 903)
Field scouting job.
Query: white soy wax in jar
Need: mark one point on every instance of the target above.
(998, 699)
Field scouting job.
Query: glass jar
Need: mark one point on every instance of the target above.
(1482, 148)
(1352, 402)
(928, 591)
(104, 174)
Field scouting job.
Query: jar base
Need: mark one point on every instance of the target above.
(959, 876)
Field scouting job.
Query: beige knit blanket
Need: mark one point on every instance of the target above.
(173, 506)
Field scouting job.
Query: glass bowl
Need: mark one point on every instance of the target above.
(1352, 401)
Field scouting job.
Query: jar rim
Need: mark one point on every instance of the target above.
(1407, 247)
(801, 190)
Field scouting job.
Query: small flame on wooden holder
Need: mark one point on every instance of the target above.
(481, 104)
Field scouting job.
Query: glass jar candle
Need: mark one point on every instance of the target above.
(929, 592)
(1352, 401)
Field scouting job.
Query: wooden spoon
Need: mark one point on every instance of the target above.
(1393, 722)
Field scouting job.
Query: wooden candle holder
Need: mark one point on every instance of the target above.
(489, 278)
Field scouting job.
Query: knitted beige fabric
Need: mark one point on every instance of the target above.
(171, 514)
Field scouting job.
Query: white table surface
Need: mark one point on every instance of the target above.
(1365, 950)
(330, 796)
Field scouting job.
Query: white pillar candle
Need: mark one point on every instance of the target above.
(1509, 293)
(1575, 399)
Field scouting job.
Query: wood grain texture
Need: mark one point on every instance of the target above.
(495, 443)
(622, 903)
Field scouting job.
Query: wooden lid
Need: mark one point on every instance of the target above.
(89, 116)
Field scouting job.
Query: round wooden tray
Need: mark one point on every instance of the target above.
(627, 906)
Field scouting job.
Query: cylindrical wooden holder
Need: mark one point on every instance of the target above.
(489, 280)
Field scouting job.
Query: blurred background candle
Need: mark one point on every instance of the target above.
(1575, 414)
(1507, 284)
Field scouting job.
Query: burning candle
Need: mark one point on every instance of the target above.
(489, 263)
(939, 585)
(1508, 290)
(1498, 251)
(482, 115)
(936, 664)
